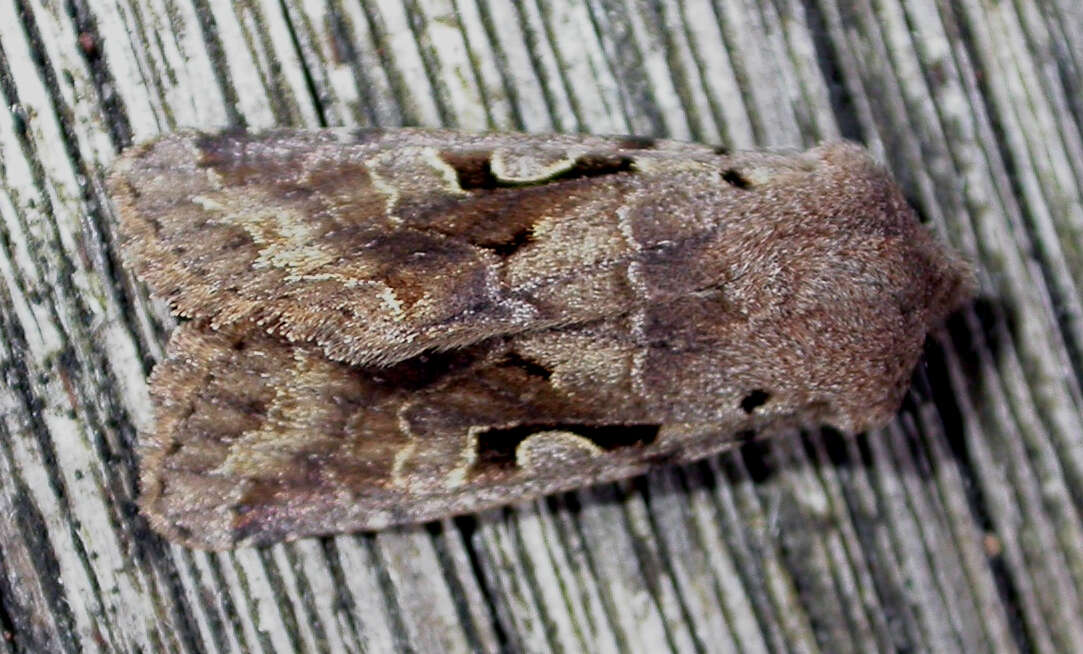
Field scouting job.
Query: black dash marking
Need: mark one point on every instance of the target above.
(735, 178)
(754, 399)
(496, 447)
(593, 165)
(474, 170)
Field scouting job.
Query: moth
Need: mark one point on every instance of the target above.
(393, 326)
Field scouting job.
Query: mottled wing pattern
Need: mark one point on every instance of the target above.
(392, 327)
(259, 440)
(380, 245)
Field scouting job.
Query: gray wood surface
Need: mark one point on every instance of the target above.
(955, 529)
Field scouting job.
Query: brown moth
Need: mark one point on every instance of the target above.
(396, 326)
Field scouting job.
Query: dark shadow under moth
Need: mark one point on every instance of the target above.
(396, 326)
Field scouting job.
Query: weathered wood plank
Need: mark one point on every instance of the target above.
(957, 528)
